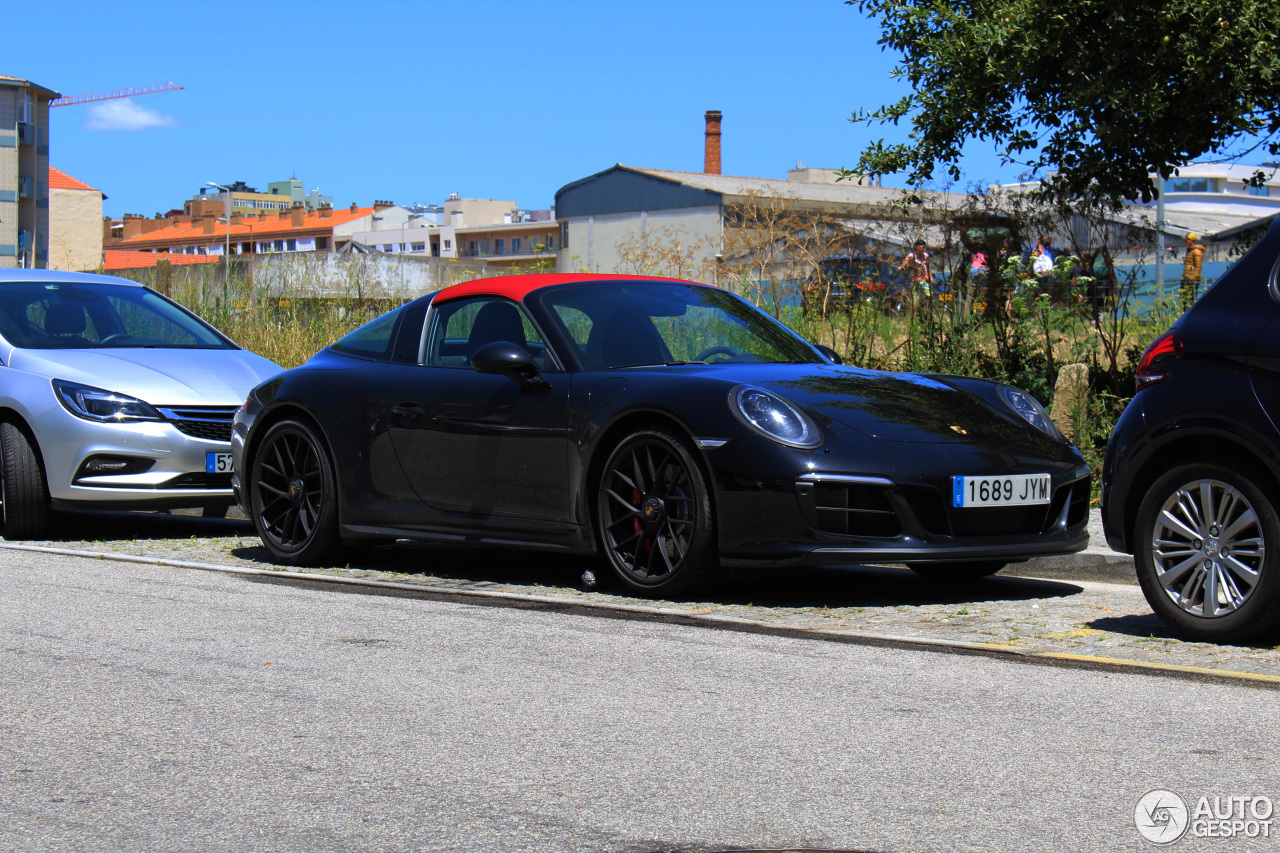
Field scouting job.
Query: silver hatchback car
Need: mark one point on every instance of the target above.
(112, 396)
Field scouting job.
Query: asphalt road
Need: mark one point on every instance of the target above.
(153, 708)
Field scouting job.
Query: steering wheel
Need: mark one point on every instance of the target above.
(109, 338)
(710, 351)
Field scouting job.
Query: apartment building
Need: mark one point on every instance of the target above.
(24, 173)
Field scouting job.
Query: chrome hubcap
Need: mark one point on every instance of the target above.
(1208, 548)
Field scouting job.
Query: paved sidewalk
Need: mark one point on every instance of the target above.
(1058, 618)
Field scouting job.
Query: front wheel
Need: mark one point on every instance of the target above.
(24, 492)
(656, 525)
(1206, 548)
(293, 496)
(965, 571)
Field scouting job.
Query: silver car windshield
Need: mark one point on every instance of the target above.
(60, 315)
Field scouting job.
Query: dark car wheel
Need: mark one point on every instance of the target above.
(655, 519)
(1206, 547)
(24, 493)
(957, 571)
(293, 496)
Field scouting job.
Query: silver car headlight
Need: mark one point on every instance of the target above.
(98, 404)
(1030, 410)
(773, 417)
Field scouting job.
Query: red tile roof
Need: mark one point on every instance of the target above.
(60, 180)
(251, 227)
(127, 259)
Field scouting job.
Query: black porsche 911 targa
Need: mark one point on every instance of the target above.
(668, 426)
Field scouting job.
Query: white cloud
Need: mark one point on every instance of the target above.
(124, 114)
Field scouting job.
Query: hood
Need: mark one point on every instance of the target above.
(905, 407)
(161, 377)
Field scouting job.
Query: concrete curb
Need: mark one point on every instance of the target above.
(1090, 565)
(724, 623)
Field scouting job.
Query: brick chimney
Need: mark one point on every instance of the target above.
(326, 212)
(354, 208)
(296, 213)
(132, 225)
(237, 219)
(207, 222)
(711, 159)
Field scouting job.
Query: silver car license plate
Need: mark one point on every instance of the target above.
(217, 463)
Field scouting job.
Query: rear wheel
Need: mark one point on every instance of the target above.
(24, 493)
(1207, 544)
(654, 512)
(967, 571)
(293, 496)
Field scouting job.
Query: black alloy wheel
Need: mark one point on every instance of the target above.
(293, 496)
(964, 571)
(654, 513)
(24, 492)
(1206, 548)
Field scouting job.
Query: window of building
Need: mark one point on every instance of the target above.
(515, 245)
(419, 247)
(291, 244)
(1263, 191)
(388, 247)
(1190, 185)
(322, 244)
(551, 241)
(448, 244)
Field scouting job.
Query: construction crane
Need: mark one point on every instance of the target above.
(114, 93)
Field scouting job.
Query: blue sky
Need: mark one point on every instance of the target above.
(487, 98)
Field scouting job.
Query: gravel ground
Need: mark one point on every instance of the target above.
(1034, 616)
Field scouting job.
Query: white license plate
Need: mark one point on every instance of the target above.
(217, 463)
(1013, 490)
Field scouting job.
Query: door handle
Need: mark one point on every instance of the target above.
(407, 411)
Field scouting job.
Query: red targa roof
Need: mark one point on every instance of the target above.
(517, 287)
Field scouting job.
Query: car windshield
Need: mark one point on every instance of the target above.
(65, 315)
(630, 323)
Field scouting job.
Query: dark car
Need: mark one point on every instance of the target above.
(668, 426)
(1192, 476)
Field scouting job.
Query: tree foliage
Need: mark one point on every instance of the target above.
(1100, 92)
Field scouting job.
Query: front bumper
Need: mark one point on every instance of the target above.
(157, 464)
(828, 519)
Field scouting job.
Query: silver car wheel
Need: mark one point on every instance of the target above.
(1207, 547)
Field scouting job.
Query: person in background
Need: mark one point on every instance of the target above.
(919, 275)
(1192, 267)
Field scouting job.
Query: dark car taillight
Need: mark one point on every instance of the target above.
(1154, 365)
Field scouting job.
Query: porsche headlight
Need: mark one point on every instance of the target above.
(1030, 410)
(97, 404)
(773, 417)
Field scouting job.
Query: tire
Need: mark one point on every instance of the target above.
(966, 571)
(293, 495)
(655, 523)
(1206, 548)
(24, 492)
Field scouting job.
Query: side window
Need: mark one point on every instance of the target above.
(372, 340)
(409, 338)
(577, 324)
(462, 326)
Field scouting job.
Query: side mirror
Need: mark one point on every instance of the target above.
(510, 360)
(829, 353)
